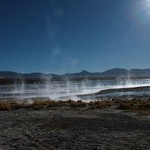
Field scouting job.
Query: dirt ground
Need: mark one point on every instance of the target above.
(73, 129)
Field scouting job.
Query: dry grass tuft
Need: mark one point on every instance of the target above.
(132, 105)
(99, 104)
(144, 105)
(78, 104)
(8, 105)
(4, 105)
(40, 104)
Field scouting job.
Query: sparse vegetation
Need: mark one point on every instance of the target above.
(40, 121)
(78, 104)
(99, 104)
(134, 104)
(4, 105)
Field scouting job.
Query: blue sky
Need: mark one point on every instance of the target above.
(59, 36)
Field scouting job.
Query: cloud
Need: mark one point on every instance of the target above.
(51, 27)
(70, 64)
(51, 22)
(59, 12)
(61, 62)
(56, 52)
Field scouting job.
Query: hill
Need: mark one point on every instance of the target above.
(7, 76)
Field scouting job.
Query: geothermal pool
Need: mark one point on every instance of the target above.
(64, 90)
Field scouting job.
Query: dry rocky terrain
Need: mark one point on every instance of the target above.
(70, 125)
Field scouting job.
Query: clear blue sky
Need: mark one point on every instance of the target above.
(58, 36)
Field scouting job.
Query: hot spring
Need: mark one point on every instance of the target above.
(64, 90)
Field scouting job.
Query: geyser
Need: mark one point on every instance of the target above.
(63, 90)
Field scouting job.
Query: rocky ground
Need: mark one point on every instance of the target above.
(67, 128)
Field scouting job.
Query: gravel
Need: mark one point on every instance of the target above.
(75, 129)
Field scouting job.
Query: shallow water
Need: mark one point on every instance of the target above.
(61, 90)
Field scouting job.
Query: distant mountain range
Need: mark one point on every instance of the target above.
(112, 73)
